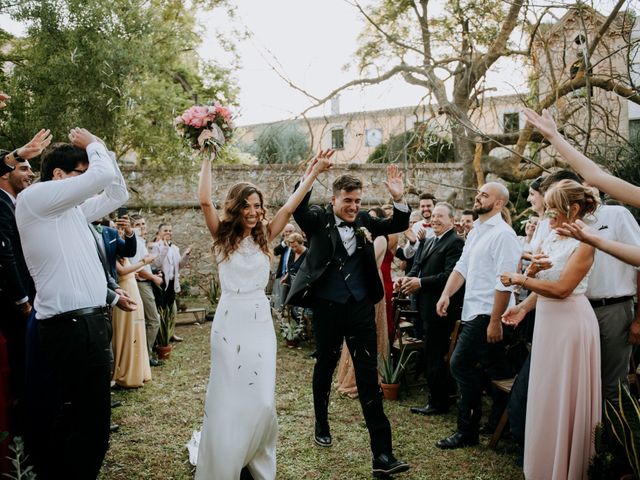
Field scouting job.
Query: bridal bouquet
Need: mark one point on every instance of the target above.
(206, 128)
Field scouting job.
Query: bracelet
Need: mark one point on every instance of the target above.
(525, 281)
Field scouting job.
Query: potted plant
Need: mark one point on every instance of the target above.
(211, 289)
(165, 332)
(390, 374)
(290, 329)
(183, 294)
(624, 420)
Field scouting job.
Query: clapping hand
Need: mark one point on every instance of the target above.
(36, 145)
(395, 182)
(513, 316)
(125, 302)
(544, 123)
(539, 262)
(81, 137)
(410, 285)
(3, 98)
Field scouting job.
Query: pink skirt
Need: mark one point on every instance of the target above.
(564, 402)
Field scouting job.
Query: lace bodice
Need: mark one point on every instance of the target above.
(245, 271)
(559, 249)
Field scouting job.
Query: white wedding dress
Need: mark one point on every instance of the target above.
(240, 426)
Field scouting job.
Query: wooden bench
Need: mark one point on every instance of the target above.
(505, 386)
(197, 313)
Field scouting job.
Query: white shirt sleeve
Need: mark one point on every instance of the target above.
(61, 195)
(114, 195)
(508, 251)
(462, 266)
(410, 250)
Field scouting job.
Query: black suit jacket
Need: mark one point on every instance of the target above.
(318, 223)
(433, 266)
(15, 280)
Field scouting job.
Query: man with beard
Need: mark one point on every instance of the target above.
(491, 247)
(420, 230)
(17, 290)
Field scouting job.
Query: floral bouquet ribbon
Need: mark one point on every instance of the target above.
(206, 128)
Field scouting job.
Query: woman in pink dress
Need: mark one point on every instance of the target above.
(564, 401)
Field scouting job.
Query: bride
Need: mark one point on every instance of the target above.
(240, 426)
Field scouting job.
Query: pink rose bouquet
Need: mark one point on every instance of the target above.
(205, 127)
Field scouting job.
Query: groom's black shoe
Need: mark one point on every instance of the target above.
(386, 464)
(322, 437)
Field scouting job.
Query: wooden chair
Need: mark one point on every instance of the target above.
(403, 320)
(505, 386)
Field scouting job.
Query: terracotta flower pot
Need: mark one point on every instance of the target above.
(390, 390)
(164, 352)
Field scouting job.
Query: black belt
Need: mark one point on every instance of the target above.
(605, 302)
(143, 281)
(80, 312)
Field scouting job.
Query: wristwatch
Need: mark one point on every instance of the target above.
(14, 158)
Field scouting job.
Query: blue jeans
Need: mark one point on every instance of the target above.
(473, 349)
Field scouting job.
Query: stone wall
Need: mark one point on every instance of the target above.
(174, 200)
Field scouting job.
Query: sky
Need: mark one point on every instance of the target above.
(309, 41)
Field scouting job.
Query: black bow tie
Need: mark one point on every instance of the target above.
(347, 224)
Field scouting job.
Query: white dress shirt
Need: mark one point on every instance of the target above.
(409, 249)
(169, 261)
(141, 252)
(491, 249)
(348, 234)
(611, 278)
(58, 246)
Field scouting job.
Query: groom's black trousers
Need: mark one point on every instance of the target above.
(355, 323)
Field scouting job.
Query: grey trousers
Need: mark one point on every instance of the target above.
(151, 315)
(615, 351)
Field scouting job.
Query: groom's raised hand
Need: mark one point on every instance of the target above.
(395, 183)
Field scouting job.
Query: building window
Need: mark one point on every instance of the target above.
(337, 139)
(634, 130)
(510, 122)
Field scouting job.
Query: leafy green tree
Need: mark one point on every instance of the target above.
(123, 69)
(281, 142)
(419, 145)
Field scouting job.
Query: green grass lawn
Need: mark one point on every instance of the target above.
(156, 422)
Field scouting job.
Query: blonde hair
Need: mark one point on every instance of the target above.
(295, 237)
(562, 195)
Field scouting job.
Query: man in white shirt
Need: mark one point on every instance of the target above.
(491, 247)
(421, 230)
(169, 261)
(79, 183)
(612, 286)
(146, 279)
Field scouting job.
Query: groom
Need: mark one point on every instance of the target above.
(339, 279)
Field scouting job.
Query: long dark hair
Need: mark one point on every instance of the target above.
(231, 228)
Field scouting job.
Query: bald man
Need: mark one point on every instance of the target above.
(491, 246)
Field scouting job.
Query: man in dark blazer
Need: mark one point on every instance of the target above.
(283, 251)
(339, 279)
(17, 289)
(432, 266)
(114, 246)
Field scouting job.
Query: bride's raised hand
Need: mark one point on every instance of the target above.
(323, 161)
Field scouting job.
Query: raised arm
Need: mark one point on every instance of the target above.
(134, 267)
(204, 197)
(628, 253)
(114, 195)
(321, 163)
(592, 173)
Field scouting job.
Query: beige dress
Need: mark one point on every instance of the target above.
(564, 402)
(131, 357)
